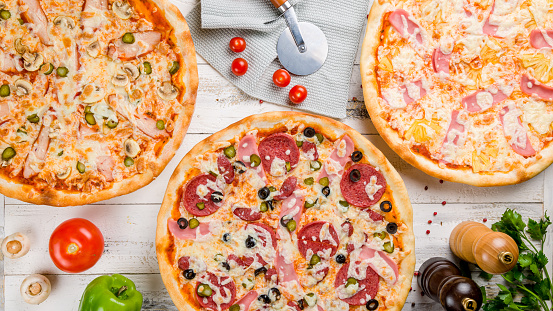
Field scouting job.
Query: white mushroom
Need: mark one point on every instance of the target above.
(32, 61)
(64, 21)
(122, 9)
(93, 49)
(167, 91)
(92, 93)
(63, 174)
(19, 46)
(23, 87)
(15, 245)
(131, 70)
(120, 79)
(35, 289)
(131, 148)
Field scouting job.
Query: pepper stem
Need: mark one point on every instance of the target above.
(121, 291)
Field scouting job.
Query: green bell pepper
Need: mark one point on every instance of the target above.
(111, 293)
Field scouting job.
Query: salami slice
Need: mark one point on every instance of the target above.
(225, 168)
(190, 196)
(247, 214)
(370, 284)
(262, 230)
(243, 261)
(310, 150)
(270, 274)
(347, 227)
(318, 236)
(287, 188)
(184, 263)
(367, 190)
(375, 216)
(219, 292)
(281, 147)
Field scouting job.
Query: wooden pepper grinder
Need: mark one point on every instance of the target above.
(441, 280)
(494, 252)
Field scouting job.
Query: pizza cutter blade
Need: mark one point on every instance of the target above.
(302, 47)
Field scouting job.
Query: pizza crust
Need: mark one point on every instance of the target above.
(371, 94)
(273, 120)
(188, 77)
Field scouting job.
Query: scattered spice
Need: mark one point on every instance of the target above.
(441, 181)
(435, 213)
(443, 202)
(417, 273)
(261, 101)
(485, 219)
(427, 231)
(425, 188)
(354, 99)
(430, 221)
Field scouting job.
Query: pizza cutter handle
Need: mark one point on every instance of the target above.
(278, 3)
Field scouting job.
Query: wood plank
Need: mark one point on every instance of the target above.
(415, 180)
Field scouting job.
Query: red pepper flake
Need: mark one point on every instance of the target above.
(441, 181)
(485, 219)
(435, 213)
(443, 202)
(427, 231)
(425, 188)
(430, 221)
(261, 101)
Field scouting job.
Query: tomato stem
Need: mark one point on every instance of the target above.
(72, 248)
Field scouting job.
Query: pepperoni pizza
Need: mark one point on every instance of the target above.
(95, 96)
(286, 211)
(462, 89)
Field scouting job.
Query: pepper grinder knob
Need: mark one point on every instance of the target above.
(493, 252)
(440, 280)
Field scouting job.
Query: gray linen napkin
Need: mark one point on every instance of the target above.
(214, 22)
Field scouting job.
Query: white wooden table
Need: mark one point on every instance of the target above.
(128, 222)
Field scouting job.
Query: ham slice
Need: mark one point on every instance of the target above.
(541, 39)
(7, 63)
(246, 147)
(402, 23)
(339, 157)
(91, 17)
(483, 100)
(188, 233)
(144, 123)
(286, 271)
(532, 87)
(454, 126)
(144, 43)
(34, 15)
(440, 61)
(515, 132)
(4, 110)
(247, 300)
(292, 206)
(105, 166)
(412, 91)
(40, 148)
(369, 253)
(497, 16)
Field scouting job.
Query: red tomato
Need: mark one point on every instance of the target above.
(237, 44)
(76, 245)
(298, 94)
(281, 78)
(239, 66)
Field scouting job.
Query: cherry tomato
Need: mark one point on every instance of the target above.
(281, 78)
(237, 44)
(76, 245)
(298, 94)
(239, 66)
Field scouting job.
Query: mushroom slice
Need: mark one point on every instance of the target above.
(64, 21)
(15, 245)
(92, 93)
(63, 174)
(19, 46)
(122, 9)
(93, 49)
(120, 79)
(35, 289)
(167, 91)
(32, 61)
(131, 148)
(131, 70)
(23, 87)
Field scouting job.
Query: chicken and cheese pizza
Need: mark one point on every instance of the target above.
(462, 89)
(286, 211)
(95, 96)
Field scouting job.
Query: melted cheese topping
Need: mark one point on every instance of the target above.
(80, 84)
(488, 46)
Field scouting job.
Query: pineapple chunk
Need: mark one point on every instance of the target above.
(540, 64)
(422, 130)
(483, 161)
(386, 64)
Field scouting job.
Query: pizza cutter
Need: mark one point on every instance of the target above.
(302, 47)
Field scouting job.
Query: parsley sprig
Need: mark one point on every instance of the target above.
(529, 278)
